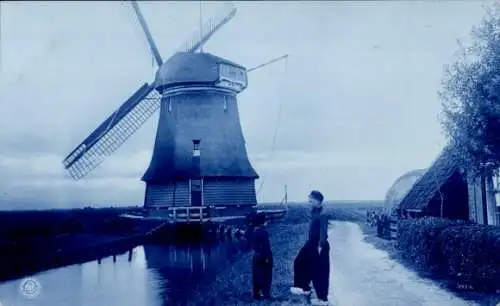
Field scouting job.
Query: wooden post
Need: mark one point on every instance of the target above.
(286, 194)
(130, 255)
(222, 230)
(114, 257)
(490, 200)
(203, 259)
(202, 193)
(189, 188)
(191, 266)
(484, 200)
(173, 196)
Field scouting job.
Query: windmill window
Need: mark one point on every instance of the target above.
(196, 144)
(232, 73)
(196, 147)
(225, 104)
(169, 105)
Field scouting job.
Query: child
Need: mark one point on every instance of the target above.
(262, 261)
(313, 260)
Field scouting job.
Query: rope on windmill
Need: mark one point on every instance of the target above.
(273, 145)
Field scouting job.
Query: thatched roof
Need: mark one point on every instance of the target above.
(428, 185)
(400, 188)
(199, 115)
(191, 68)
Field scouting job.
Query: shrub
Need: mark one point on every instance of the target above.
(458, 250)
(419, 241)
(472, 255)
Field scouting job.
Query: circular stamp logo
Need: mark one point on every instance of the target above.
(30, 287)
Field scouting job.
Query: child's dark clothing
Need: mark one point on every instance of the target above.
(310, 265)
(262, 263)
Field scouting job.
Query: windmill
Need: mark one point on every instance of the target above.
(199, 156)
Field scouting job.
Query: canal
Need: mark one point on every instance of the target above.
(151, 275)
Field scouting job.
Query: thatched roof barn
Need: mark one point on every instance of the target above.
(440, 191)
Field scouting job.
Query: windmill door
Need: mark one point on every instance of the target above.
(196, 192)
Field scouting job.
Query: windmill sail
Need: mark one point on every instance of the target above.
(208, 29)
(113, 132)
(145, 27)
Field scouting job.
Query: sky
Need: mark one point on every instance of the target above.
(355, 105)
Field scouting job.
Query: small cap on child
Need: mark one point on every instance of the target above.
(317, 195)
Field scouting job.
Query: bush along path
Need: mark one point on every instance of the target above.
(364, 275)
(461, 255)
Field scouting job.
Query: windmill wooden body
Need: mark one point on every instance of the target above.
(199, 156)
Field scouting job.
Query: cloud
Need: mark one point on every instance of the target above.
(49, 166)
(40, 181)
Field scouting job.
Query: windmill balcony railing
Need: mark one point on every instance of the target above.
(188, 213)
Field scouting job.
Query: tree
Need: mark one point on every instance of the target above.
(471, 98)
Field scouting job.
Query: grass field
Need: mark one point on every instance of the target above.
(33, 223)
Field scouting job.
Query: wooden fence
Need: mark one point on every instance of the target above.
(387, 227)
(188, 213)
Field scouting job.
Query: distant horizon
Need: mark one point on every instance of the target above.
(97, 206)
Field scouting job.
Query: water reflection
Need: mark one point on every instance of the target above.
(155, 275)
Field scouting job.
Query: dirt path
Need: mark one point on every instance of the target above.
(363, 275)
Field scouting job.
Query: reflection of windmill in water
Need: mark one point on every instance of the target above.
(199, 156)
(179, 268)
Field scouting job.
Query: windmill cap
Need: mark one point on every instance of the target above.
(185, 68)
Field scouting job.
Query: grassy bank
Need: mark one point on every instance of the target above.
(232, 286)
(23, 225)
